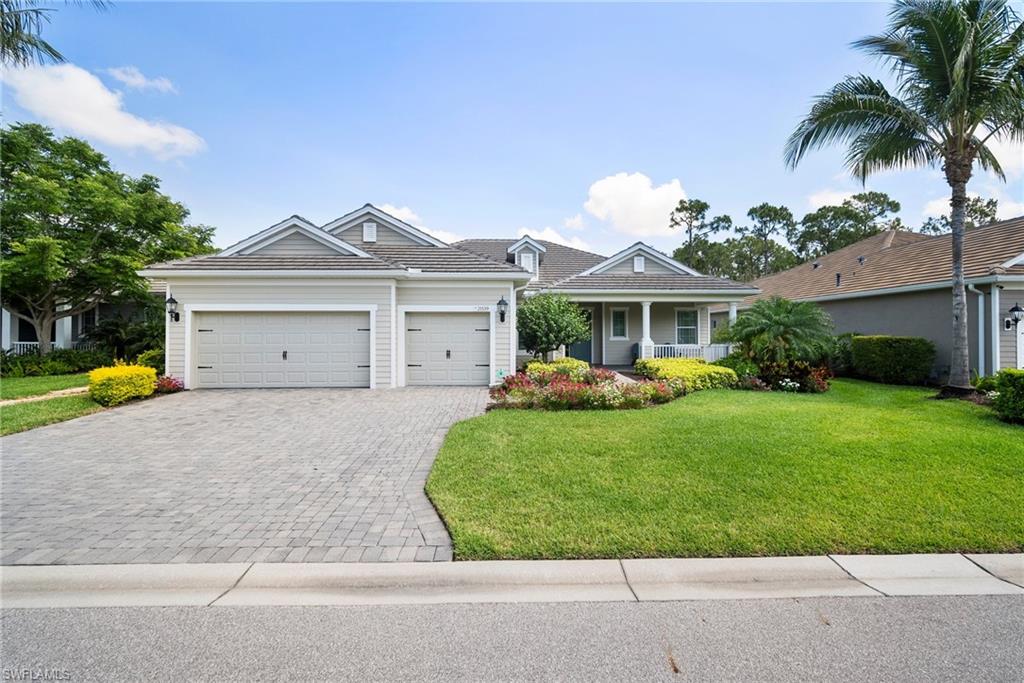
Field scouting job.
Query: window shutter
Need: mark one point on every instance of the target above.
(369, 232)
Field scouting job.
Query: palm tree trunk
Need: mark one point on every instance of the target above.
(959, 366)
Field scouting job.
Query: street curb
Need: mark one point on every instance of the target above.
(509, 581)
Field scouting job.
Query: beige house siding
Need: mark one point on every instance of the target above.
(1008, 338)
(483, 294)
(295, 244)
(651, 267)
(385, 235)
(291, 292)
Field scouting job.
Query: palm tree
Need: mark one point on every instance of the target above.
(959, 74)
(777, 330)
(21, 25)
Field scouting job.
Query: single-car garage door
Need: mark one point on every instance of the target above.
(447, 348)
(282, 349)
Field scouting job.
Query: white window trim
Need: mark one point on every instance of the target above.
(676, 327)
(611, 323)
(369, 232)
(639, 263)
(277, 308)
(400, 351)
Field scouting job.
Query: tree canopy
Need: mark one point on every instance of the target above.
(75, 231)
(546, 322)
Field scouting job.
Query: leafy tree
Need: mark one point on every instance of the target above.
(691, 215)
(777, 330)
(75, 232)
(737, 258)
(21, 26)
(769, 221)
(834, 227)
(959, 73)
(977, 212)
(546, 322)
(127, 337)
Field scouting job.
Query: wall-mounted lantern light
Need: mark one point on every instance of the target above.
(172, 309)
(502, 309)
(1016, 315)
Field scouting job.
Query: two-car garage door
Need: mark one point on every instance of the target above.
(283, 349)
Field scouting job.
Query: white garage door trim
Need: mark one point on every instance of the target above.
(402, 310)
(279, 308)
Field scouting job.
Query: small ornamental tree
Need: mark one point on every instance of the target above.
(546, 322)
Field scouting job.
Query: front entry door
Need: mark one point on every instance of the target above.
(583, 350)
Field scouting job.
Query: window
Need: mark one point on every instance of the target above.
(620, 323)
(526, 260)
(638, 264)
(369, 232)
(686, 327)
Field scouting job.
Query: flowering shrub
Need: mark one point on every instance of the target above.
(597, 390)
(1009, 395)
(809, 378)
(789, 385)
(750, 383)
(568, 367)
(169, 385)
(693, 372)
(112, 386)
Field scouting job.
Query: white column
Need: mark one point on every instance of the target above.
(63, 337)
(5, 344)
(997, 329)
(732, 312)
(981, 333)
(646, 342)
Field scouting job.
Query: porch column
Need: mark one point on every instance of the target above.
(732, 312)
(63, 336)
(5, 344)
(646, 343)
(997, 328)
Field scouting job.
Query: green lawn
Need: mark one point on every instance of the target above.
(18, 417)
(19, 387)
(863, 468)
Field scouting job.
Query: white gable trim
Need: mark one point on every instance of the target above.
(287, 227)
(636, 249)
(1015, 261)
(527, 241)
(354, 218)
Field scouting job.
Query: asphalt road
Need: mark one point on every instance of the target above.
(926, 639)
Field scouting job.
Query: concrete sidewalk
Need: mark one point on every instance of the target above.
(510, 581)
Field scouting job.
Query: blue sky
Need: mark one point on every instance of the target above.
(585, 120)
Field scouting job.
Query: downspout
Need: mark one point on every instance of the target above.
(981, 328)
(994, 301)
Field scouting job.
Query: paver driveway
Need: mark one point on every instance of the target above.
(272, 475)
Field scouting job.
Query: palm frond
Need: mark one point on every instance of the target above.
(889, 149)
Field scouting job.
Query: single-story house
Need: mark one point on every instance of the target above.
(899, 283)
(367, 300)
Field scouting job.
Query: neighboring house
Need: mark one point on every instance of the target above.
(900, 283)
(370, 301)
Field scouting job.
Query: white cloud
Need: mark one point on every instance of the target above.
(1008, 206)
(632, 204)
(133, 78)
(404, 213)
(69, 97)
(551, 235)
(573, 222)
(827, 198)
(938, 207)
(1010, 155)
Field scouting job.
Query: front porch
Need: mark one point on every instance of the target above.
(623, 331)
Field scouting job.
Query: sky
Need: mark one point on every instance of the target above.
(580, 123)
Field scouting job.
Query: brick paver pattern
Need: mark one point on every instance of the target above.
(272, 475)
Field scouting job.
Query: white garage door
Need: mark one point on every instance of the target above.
(283, 350)
(447, 348)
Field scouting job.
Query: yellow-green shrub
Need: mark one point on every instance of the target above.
(695, 373)
(115, 385)
(565, 364)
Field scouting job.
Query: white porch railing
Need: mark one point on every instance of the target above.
(709, 352)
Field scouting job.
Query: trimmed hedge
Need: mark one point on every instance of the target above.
(154, 358)
(121, 383)
(893, 360)
(56, 362)
(566, 365)
(1009, 399)
(694, 372)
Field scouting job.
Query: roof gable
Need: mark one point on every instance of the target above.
(639, 249)
(357, 217)
(285, 229)
(526, 241)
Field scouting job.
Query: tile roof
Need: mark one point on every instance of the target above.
(558, 262)
(439, 259)
(898, 259)
(256, 262)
